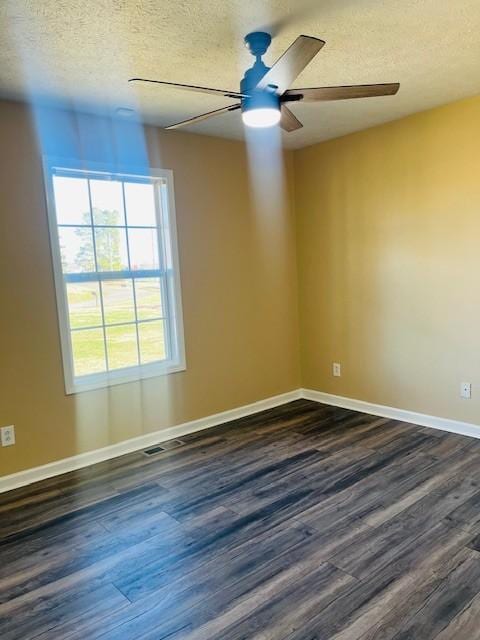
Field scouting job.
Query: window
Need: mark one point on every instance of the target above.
(115, 261)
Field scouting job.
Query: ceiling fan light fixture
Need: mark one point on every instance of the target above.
(261, 109)
(261, 117)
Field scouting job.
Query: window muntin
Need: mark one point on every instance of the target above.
(116, 270)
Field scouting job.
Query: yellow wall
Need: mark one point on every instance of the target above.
(238, 272)
(389, 262)
(387, 244)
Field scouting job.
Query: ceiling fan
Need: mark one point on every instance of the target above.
(264, 92)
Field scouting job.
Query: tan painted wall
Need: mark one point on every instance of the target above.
(238, 272)
(388, 228)
(389, 262)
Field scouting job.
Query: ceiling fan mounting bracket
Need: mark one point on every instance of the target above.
(258, 42)
(293, 98)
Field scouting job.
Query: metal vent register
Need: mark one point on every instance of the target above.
(163, 446)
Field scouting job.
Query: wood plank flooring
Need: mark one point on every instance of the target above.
(299, 523)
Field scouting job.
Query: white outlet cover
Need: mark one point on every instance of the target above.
(337, 369)
(466, 390)
(7, 435)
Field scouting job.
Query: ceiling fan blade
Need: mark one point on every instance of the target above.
(289, 122)
(204, 116)
(291, 63)
(191, 87)
(342, 93)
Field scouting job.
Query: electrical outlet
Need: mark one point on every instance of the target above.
(7, 435)
(337, 369)
(466, 390)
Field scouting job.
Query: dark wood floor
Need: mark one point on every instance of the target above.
(301, 522)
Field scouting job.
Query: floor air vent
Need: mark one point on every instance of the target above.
(163, 446)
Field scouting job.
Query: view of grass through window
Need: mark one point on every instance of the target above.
(108, 232)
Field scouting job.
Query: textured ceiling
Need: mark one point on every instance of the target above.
(83, 51)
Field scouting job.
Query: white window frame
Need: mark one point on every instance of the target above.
(165, 214)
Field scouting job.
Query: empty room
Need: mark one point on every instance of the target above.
(240, 311)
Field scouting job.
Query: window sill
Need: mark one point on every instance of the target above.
(122, 376)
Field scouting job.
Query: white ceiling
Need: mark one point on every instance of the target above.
(84, 51)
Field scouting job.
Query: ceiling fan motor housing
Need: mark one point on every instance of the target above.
(262, 99)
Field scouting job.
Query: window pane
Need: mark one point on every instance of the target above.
(76, 247)
(140, 204)
(88, 351)
(122, 346)
(118, 303)
(143, 245)
(71, 200)
(107, 202)
(152, 341)
(111, 247)
(149, 298)
(84, 305)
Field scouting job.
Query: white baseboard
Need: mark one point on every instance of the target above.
(422, 419)
(22, 478)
